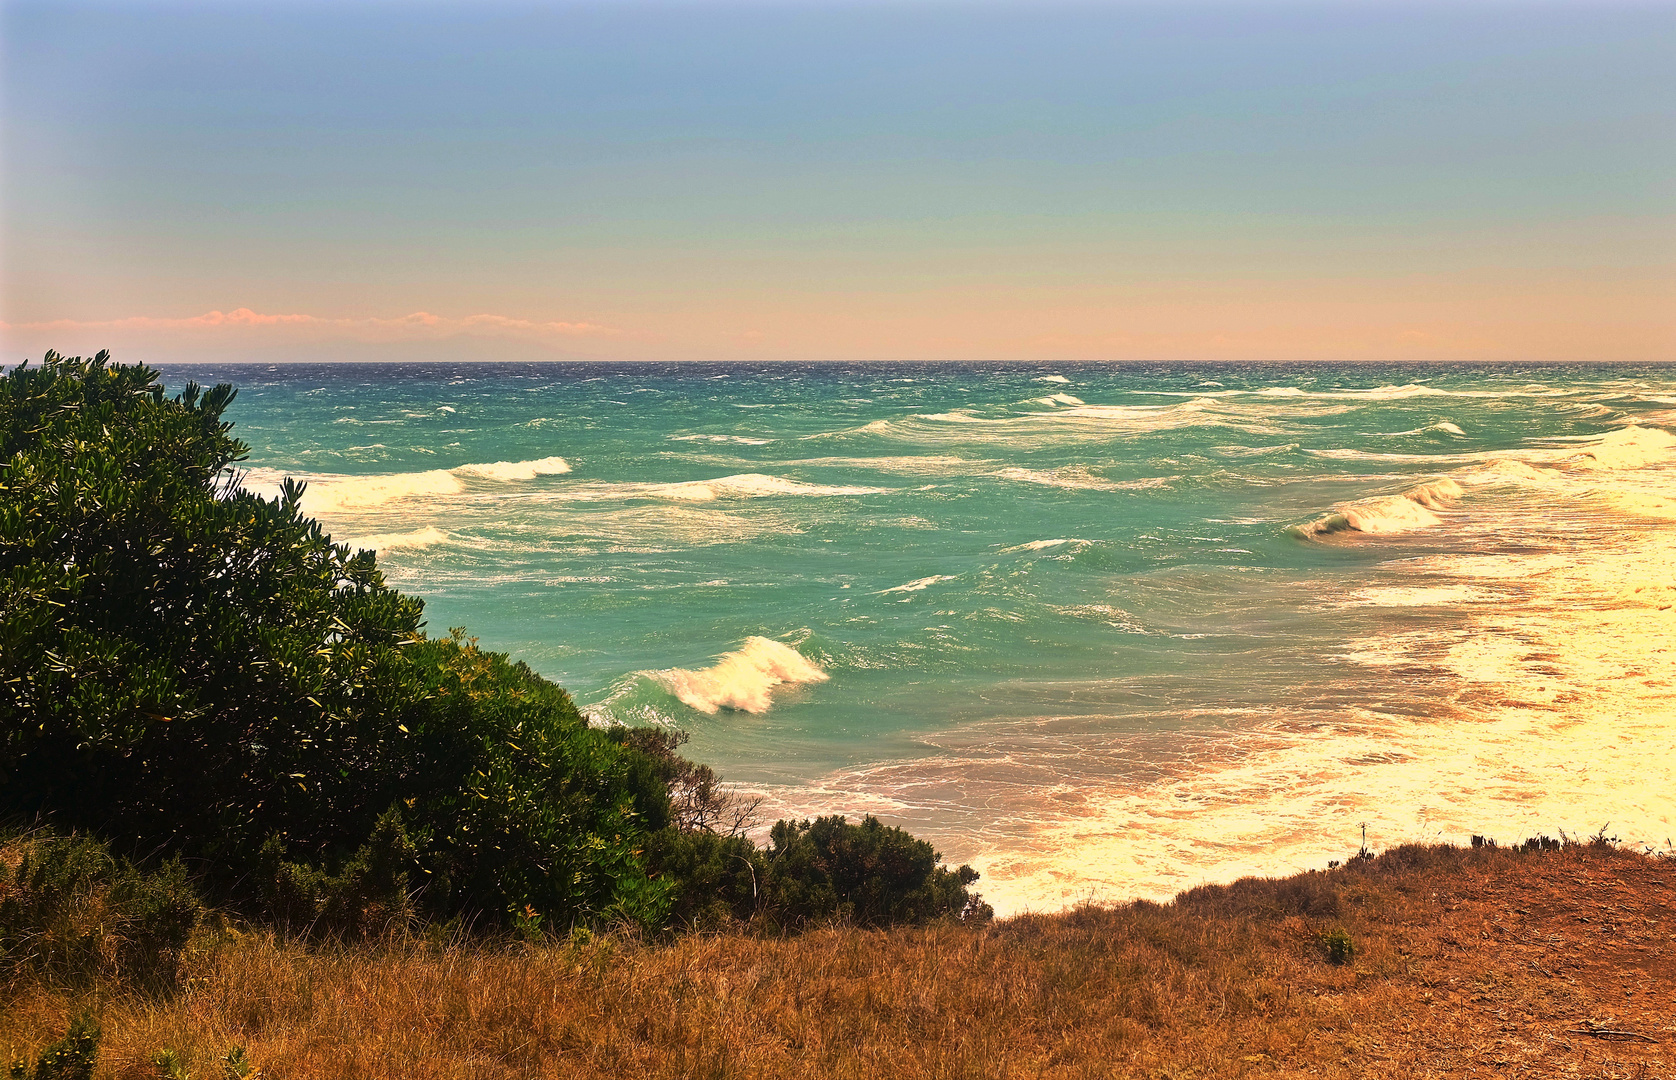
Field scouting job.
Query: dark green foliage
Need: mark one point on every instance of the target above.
(190, 668)
(70, 1058)
(1339, 948)
(234, 1064)
(71, 911)
(362, 895)
(167, 1065)
(520, 802)
(180, 660)
(868, 874)
(698, 801)
(715, 879)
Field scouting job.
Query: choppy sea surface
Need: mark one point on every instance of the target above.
(1102, 630)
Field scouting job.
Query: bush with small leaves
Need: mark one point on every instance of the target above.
(869, 874)
(1339, 947)
(73, 912)
(70, 1058)
(166, 1064)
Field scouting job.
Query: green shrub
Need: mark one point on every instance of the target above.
(71, 911)
(1339, 947)
(70, 1058)
(868, 874)
(714, 880)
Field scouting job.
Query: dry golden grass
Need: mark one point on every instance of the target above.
(1485, 963)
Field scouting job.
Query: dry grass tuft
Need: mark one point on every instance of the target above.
(1487, 962)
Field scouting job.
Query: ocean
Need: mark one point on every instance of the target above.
(1101, 630)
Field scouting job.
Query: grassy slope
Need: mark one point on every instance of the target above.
(1482, 962)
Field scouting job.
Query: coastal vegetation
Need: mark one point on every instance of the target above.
(190, 671)
(258, 821)
(1495, 961)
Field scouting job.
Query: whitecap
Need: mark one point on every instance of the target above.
(328, 493)
(1078, 478)
(1052, 379)
(429, 536)
(1388, 514)
(917, 585)
(1442, 425)
(1627, 448)
(741, 440)
(748, 486)
(1043, 545)
(744, 680)
(507, 471)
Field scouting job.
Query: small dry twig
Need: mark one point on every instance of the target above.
(1611, 1033)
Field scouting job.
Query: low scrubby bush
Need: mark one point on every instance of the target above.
(1338, 946)
(869, 874)
(72, 912)
(70, 1058)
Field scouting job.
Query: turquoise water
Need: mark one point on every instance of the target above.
(1103, 630)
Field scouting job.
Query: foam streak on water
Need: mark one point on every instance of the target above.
(1103, 630)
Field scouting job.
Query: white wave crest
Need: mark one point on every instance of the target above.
(918, 585)
(332, 493)
(429, 536)
(1627, 448)
(1442, 425)
(741, 440)
(1078, 478)
(748, 486)
(1059, 399)
(744, 680)
(1052, 379)
(1389, 514)
(1043, 545)
(508, 471)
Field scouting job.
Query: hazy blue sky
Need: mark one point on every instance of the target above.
(839, 179)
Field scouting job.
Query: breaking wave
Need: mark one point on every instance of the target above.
(744, 680)
(1627, 448)
(738, 486)
(429, 536)
(741, 440)
(508, 471)
(1388, 514)
(918, 585)
(1044, 545)
(329, 493)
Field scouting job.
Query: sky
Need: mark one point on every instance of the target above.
(794, 179)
